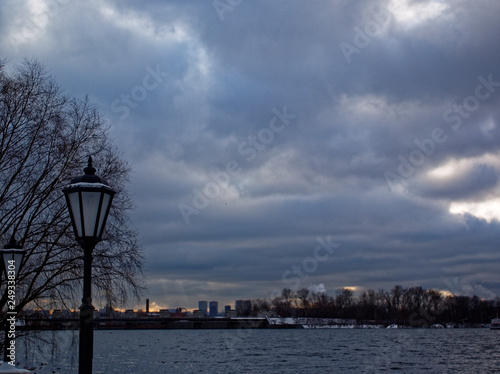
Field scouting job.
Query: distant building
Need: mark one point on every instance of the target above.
(227, 308)
(198, 314)
(203, 306)
(179, 312)
(243, 307)
(214, 308)
(230, 313)
(164, 313)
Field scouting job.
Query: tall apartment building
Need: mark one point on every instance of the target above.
(203, 306)
(214, 308)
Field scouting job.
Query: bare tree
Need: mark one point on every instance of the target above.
(45, 138)
(303, 296)
(260, 305)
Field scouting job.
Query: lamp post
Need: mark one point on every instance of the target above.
(12, 257)
(89, 200)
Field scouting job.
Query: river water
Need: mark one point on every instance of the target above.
(269, 351)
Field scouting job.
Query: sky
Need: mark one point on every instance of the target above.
(291, 144)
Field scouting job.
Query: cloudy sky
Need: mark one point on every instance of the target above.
(291, 143)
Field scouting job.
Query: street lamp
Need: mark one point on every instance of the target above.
(89, 200)
(12, 257)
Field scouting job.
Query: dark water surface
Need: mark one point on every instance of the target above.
(272, 351)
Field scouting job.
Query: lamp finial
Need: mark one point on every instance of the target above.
(89, 170)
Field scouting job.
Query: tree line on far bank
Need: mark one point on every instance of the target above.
(413, 306)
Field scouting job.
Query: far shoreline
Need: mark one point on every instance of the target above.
(225, 323)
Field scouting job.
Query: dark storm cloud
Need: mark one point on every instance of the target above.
(190, 89)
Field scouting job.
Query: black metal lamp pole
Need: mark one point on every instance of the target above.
(86, 353)
(89, 200)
